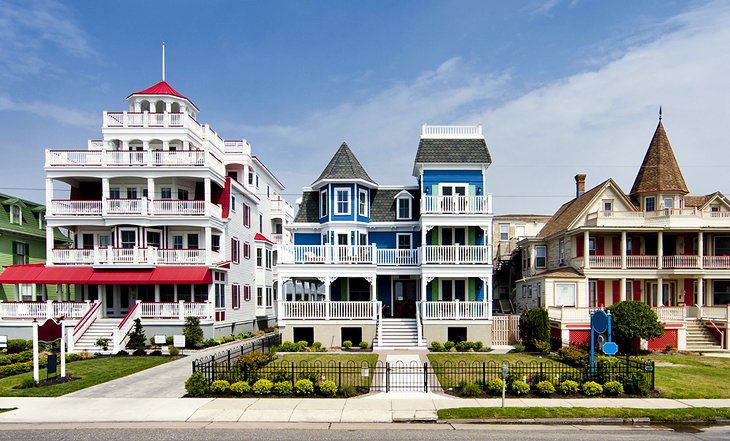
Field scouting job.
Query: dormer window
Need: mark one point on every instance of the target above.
(668, 203)
(362, 203)
(404, 208)
(323, 203)
(342, 201)
(649, 203)
(16, 216)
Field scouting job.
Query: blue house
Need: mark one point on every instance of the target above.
(396, 266)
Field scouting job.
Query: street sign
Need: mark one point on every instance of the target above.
(599, 321)
(610, 348)
(178, 341)
(51, 367)
(160, 339)
(49, 331)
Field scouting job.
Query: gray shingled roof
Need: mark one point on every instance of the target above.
(382, 206)
(453, 150)
(309, 208)
(344, 165)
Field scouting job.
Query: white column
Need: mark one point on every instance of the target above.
(700, 294)
(208, 243)
(701, 248)
(327, 282)
(622, 289)
(157, 293)
(422, 294)
(207, 195)
(660, 292)
(623, 253)
(660, 249)
(49, 246)
(586, 250)
(104, 196)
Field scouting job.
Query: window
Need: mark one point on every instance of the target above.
(259, 257)
(25, 292)
(540, 254)
(246, 293)
(131, 193)
(235, 251)
(257, 181)
(268, 191)
(268, 259)
(565, 294)
(233, 203)
(453, 290)
(561, 251)
(235, 296)
(404, 208)
(220, 289)
(177, 242)
(250, 176)
(261, 223)
(269, 296)
(592, 246)
(129, 238)
(608, 206)
(342, 201)
(193, 242)
(166, 193)
(526, 258)
(215, 243)
(15, 215)
(503, 232)
(184, 195)
(362, 205)
(233, 175)
(259, 296)
(363, 239)
(649, 202)
(325, 239)
(323, 203)
(629, 246)
(592, 294)
(520, 231)
(246, 250)
(21, 255)
(115, 193)
(154, 239)
(246, 215)
(404, 241)
(668, 203)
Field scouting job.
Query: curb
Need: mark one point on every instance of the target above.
(549, 421)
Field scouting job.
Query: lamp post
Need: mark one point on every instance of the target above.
(505, 369)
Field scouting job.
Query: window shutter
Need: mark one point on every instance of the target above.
(616, 294)
(616, 246)
(637, 290)
(578, 246)
(601, 287)
(599, 246)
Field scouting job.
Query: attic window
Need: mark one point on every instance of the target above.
(649, 203)
(404, 208)
(16, 216)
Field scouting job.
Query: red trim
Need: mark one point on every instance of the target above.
(616, 294)
(129, 314)
(578, 247)
(601, 297)
(689, 292)
(261, 238)
(90, 313)
(637, 290)
(225, 199)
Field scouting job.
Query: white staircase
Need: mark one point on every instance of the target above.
(103, 327)
(398, 334)
(699, 337)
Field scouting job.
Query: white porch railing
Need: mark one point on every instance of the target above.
(43, 310)
(136, 255)
(75, 208)
(457, 254)
(641, 261)
(670, 314)
(126, 206)
(176, 310)
(605, 261)
(143, 206)
(178, 207)
(390, 257)
(130, 158)
(565, 314)
(716, 262)
(680, 262)
(328, 254)
(456, 205)
(714, 312)
(456, 310)
(180, 257)
(324, 310)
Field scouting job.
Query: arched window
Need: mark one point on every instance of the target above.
(160, 106)
(175, 108)
(144, 106)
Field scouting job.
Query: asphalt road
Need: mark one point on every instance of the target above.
(384, 432)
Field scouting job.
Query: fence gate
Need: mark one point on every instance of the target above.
(505, 329)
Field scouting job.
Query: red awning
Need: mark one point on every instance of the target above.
(84, 275)
(261, 237)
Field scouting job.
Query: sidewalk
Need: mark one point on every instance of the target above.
(381, 408)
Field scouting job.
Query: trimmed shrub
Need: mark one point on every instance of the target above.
(437, 347)
(543, 346)
(635, 383)
(632, 319)
(19, 345)
(316, 346)
(301, 345)
(568, 387)
(347, 344)
(464, 346)
(137, 337)
(478, 346)
(16, 357)
(518, 347)
(592, 389)
(193, 332)
(240, 387)
(282, 388)
(220, 386)
(613, 388)
(262, 387)
(573, 356)
(73, 357)
(471, 390)
(304, 387)
(348, 390)
(363, 345)
(494, 386)
(174, 352)
(520, 388)
(449, 345)
(545, 388)
(328, 388)
(534, 327)
(196, 384)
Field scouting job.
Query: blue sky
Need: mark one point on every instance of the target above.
(561, 87)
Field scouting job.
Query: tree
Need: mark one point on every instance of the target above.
(137, 338)
(534, 328)
(631, 320)
(193, 332)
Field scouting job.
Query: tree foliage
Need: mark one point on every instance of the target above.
(137, 337)
(193, 332)
(632, 319)
(534, 327)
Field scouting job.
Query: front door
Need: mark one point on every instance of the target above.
(405, 293)
(668, 294)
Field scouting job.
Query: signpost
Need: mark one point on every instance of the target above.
(600, 324)
(48, 332)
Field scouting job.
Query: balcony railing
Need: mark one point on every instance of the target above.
(144, 207)
(340, 254)
(43, 310)
(121, 158)
(428, 131)
(565, 314)
(456, 205)
(370, 254)
(605, 261)
(457, 254)
(394, 257)
(456, 310)
(716, 262)
(680, 261)
(128, 256)
(176, 310)
(651, 262)
(641, 261)
(324, 310)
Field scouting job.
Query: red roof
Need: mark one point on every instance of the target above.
(162, 88)
(37, 273)
(261, 237)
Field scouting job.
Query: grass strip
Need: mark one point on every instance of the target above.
(88, 373)
(655, 415)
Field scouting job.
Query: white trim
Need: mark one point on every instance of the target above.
(324, 210)
(453, 291)
(410, 208)
(397, 240)
(363, 193)
(337, 211)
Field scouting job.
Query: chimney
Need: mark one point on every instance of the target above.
(580, 185)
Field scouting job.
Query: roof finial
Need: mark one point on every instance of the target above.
(660, 113)
(163, 62)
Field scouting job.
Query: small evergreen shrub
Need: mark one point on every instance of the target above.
(449, 345)
(19, 345)
(363, 345)
(613, 388)
(568, 387)
(494, 386)
(478, 345)
(240, 387)
(471, 390)
(288, 346)
(636, 384)
(518, 347)
(545, 388)
(316, 346)
(304, 387)
(520, 388)
(137, 337)
(328, 388)
(282, 388)
(262, 387)
(542, 346)
(196, 384)
(348, 390)
(534, 327)
(347, 344)
(592, 389)
(220, 386)
(193, 332)
(301, 345)
(27, 383)
(173, 351)
(437, 347)
(103, 343)
(573, 355)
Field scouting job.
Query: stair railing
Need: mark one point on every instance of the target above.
(379, 315)
(722, 334)
(85, 323)
(418, 322)
(121, 333)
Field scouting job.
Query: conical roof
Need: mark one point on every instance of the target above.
(162, 88)
(344, 165)
(659, 172)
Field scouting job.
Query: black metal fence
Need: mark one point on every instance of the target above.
(213, 366)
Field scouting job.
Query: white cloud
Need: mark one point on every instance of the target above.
(58, 113)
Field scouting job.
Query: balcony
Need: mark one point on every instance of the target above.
(324, 310)
(456, 310)
(679, 217)
(564, 314)
(337, 254)
(652, 262)
(457, 254)
(456, 204)
(128, 256)
(43, 310)
(370, 254)
(142, 207)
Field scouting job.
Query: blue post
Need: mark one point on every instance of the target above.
(593, 349)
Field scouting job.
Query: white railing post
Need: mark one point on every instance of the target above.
(327, 305)
(457, 310)
(181, 312)
(49, 309)
(418, 323)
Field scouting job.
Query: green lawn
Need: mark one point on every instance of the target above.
(692, 376)
(89, 373)
(327, 358)
(340, 368)
(657, 415)
(479, 357)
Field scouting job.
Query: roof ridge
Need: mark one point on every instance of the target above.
(659, 171)
(344, 165)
